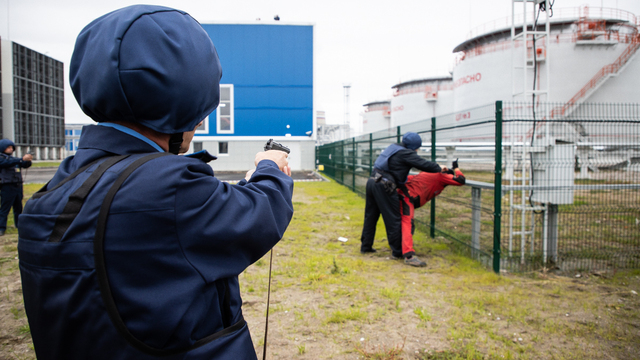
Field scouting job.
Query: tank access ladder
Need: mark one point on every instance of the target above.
(523, 37)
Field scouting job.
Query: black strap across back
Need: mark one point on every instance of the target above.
(71, 210)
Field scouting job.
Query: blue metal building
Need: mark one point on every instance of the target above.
(266, 92)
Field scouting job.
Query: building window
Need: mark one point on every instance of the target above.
(197, 146)
(223, 148)
(204, 128)
(224, 115)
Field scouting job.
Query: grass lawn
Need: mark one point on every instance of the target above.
(330, 302)
(47, 164)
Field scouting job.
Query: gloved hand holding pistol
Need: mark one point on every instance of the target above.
(276, 152)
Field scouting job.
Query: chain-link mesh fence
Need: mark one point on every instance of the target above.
(572, 186)
(543, 190)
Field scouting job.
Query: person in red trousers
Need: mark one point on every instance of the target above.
(422, 188)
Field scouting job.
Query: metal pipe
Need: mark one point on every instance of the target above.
(545, 237)
(476, 202)
(511, 208)
(523, 202)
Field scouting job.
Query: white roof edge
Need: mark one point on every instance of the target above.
(257, 22)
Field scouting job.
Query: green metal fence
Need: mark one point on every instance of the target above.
(544, 190)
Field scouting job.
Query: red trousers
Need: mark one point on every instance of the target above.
(406, 211)
(424, 186)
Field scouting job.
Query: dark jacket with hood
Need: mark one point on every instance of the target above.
(398, 159)
(155, 275)
(9, 164)
(404, 160)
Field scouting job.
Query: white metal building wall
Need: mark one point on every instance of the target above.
(241, 154)
(416, 106)
(411, 107)
(375, 120)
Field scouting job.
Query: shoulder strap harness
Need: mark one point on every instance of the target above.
(71, 210)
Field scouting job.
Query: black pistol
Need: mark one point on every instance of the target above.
(272, 145)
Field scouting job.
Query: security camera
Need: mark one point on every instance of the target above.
(276, 18)
(309, 133)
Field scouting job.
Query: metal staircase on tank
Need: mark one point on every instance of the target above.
(604, 74)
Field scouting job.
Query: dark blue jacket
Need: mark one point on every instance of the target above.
(174, 236)
(162, 278)
(382, 162)
(398, 161)
(9, 164)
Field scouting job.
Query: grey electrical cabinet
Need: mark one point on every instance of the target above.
(553, 174)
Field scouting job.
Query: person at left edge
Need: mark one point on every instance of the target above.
(11, 178)
(131, 252)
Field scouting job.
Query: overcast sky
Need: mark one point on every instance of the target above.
(371, 44)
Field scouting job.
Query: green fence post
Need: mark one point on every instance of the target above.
(353, 165)
(342, 162)
(398, 134)
(497, 196)
(370, 153)
(433, 158)
(333, 160)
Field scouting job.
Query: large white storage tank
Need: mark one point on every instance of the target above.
(376, 116)
(591, 56)
(421, 99)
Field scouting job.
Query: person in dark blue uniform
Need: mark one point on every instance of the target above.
(11, 178)
(130, 251)
(390, 173)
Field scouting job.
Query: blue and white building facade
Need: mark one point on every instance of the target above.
(72, 134)
(266, 92)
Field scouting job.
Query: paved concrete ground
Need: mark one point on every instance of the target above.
(37, 175)
(235, 176)
(42, 175)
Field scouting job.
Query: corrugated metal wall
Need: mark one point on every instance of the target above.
(271, 69)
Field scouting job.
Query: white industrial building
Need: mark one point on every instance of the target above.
(421, 99)
(376, 116)
(328, 133)
(582, 53)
